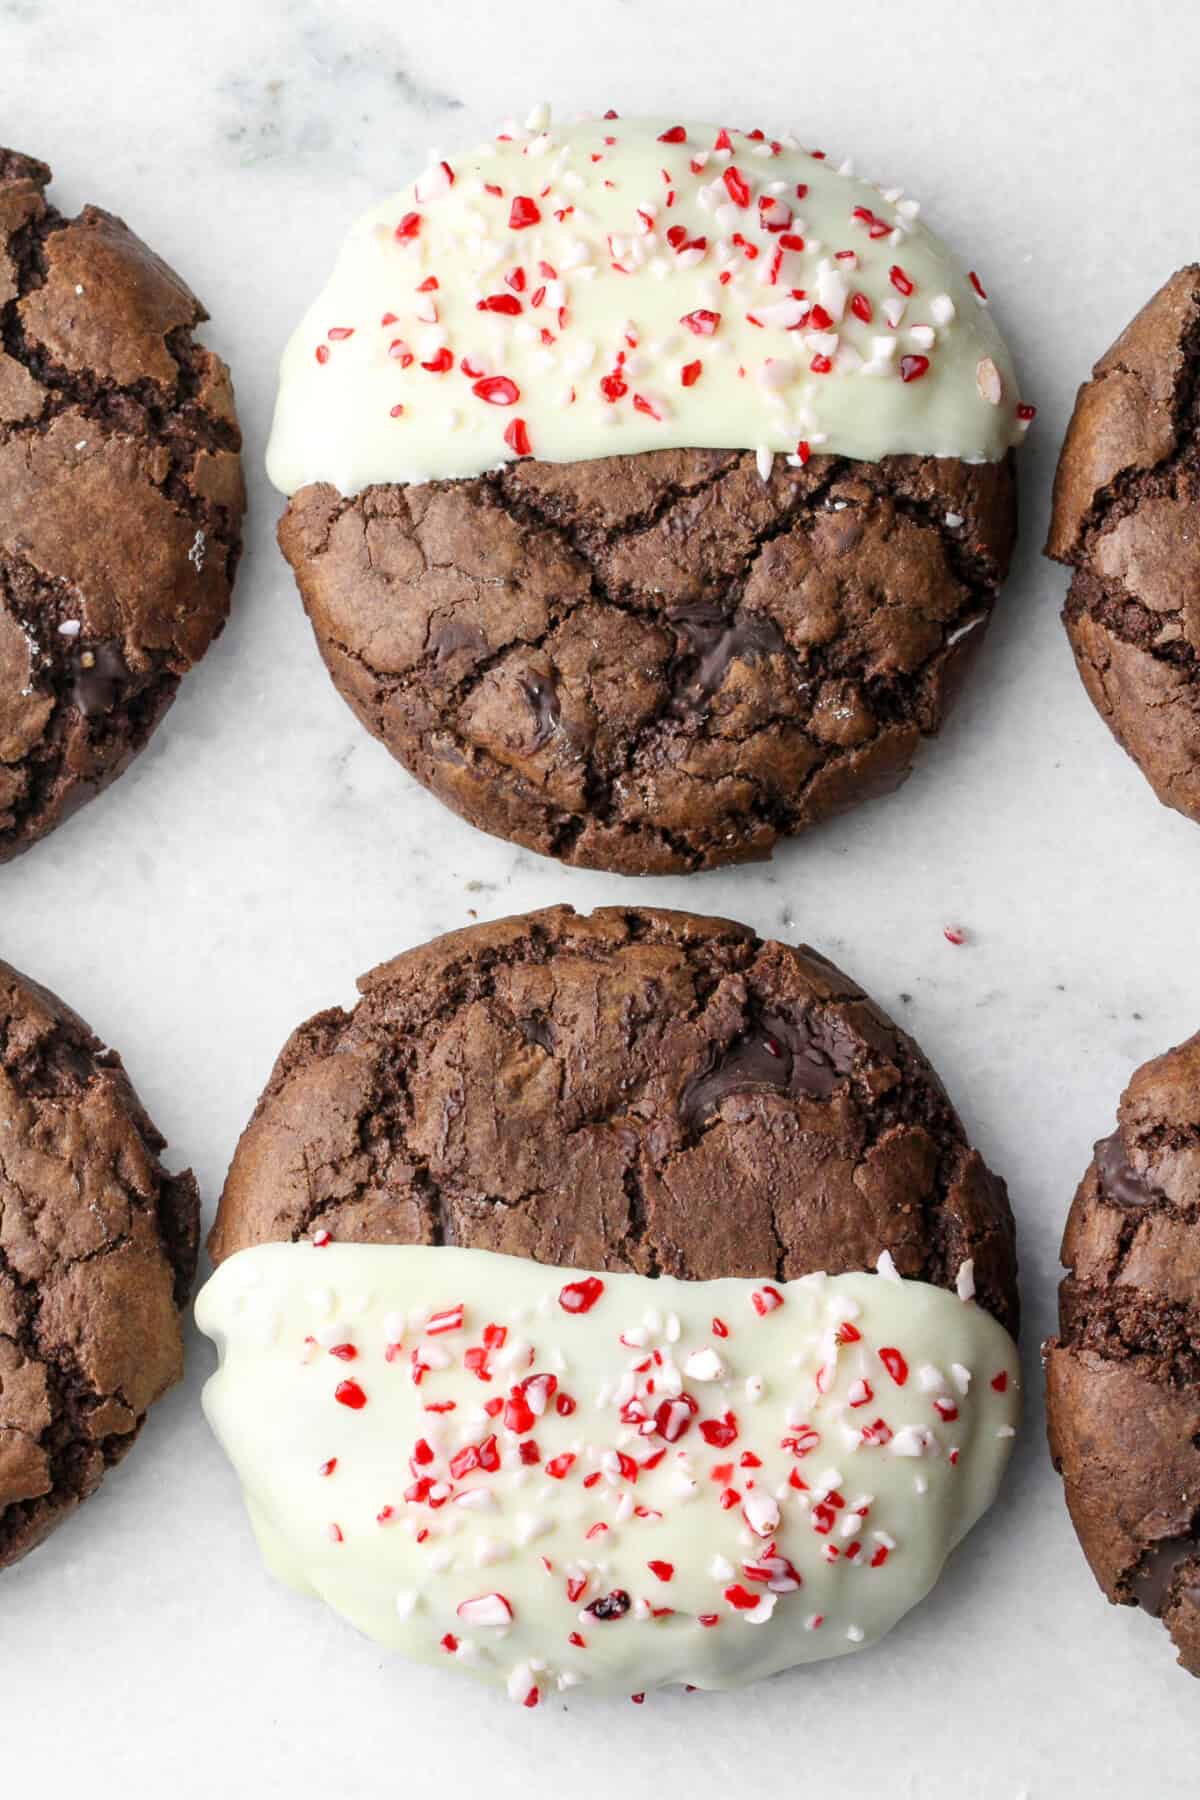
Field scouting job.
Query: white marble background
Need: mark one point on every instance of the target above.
(264, 852)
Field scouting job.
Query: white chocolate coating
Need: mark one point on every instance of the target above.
(597, 289)
(781, 1492)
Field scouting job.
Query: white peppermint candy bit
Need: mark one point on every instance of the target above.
(704, 1365)
(486, 1609)
(762, 1513)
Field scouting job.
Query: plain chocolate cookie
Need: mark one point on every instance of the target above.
(660, 662)
(1123, 1377)
(120, 500)
(97, 1253)
(1126, 500)
(635, 1090)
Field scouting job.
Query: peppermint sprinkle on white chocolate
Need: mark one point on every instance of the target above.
(615, 286)
(557, 1480)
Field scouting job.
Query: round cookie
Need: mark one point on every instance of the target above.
(644, 551)
(1125, 499)
(98, 1249)
(634, 1090)
(1123, 1376)
(121, 500)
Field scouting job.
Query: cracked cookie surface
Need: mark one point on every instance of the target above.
(121, 500)
(636, 1090)
(1126, 496)
(659, 662)
(97, 1254)
(1123, 1376)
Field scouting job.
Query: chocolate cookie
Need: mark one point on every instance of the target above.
(659, 662)
(1125, 502)
(97, 1253)
(635, 1090)
(650, 485)
(1123, 1377)
(120, 500)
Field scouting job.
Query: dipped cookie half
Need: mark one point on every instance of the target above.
(649, 486)
(1123, 1376)
(611, 1302)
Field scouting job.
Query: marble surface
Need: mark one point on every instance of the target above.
(264, 852)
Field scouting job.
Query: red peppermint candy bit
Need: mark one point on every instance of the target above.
(409, 226)
(389, 318)
(664, 1570)
(821, 365)
(849, 1334)
(337, 334)
(913, 367)
(428, 286)
(861, 1394)
(394, 412)
(334, 1534)
(719, 1328)
(1000, 1381)
(729, 1498)
(945, 1409)
(975, 282)
(802, 1441)
(515, 279)
(499, 303)
(748, 1460)
(578, 1640)
(518, 1414)
(327, 1468)
(879, 1432)
(348, 1393)
(803, 451)
(720, 1433)
(877, 227)
(530, 1452)
(422, 1455)
(532, 1697)
(439, 364)
(689, 375)
(516, 436)
(902, 283)
(766, 1300)
(559, 1467)
(589, 1481)
(564, 1406)
(475, 1359)
(449, 1643)
(702, 322)
(386, 1515)
(795, 1481)
(344, 1352)
(576, 1587)
(322, 357)
(708, 1620)
(523, 212)
(954, 934)
(581, 1296)
(819, 319)
(320, 1238)
(676, 135)
(399, 351)
(489, 1455)
(638, 1699)
(740, 1598)
(895, 1365)
(861, 307)
(492, 1407)
(1026, 412)
(736, 186)
(497, 390)
(642, 405)
(674, 1417)
(464, 1460)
